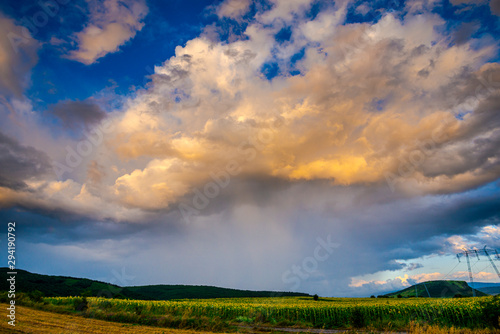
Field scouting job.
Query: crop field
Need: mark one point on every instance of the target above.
(41, 322)
(328, 313)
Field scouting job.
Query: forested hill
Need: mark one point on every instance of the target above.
(61, 286)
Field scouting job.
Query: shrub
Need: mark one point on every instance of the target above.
(81, 304)
(36, 296)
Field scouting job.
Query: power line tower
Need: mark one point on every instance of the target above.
(487, 252)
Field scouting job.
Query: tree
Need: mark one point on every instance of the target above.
(36, 296)
(315, 297)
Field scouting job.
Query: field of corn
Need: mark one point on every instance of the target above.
(332, 313)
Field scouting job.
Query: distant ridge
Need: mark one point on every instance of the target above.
(62, 286)
(438, 289)
(489, 288)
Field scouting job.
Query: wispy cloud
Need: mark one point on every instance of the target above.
(18, 54)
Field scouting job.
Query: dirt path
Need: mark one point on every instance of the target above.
(310, 330)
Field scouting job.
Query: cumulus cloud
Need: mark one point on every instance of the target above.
(399, 282)
(233, 8)
(373, 132)
(18, 54)
(392, 103)
(210, 104)
(488, 235)
(111, 24)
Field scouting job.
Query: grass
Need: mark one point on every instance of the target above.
(31, 320)
(425, 329)
(43, 322)
(229, 315)
(328, 313)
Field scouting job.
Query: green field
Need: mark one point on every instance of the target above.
(332, 313)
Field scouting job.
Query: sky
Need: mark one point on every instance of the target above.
(342, 148)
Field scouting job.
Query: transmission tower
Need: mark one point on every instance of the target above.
(489, 258)
(487, 252)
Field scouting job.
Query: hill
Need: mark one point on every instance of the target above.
(490, 290)
(438, 289)
(62, 286)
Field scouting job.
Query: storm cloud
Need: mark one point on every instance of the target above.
(246, 150)
(77, 115)
(20, 163)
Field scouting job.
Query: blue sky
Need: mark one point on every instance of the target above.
(342, 148)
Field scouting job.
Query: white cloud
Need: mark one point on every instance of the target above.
(111, 24)
(220, 100)
(209, 104)
(488, 235)
(233, 8)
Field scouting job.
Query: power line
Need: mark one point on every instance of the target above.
(451, 270)
(476, 252)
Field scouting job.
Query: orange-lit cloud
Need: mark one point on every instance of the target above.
(112, 24)
(209, 102)
(373, 105)
(478, 276)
